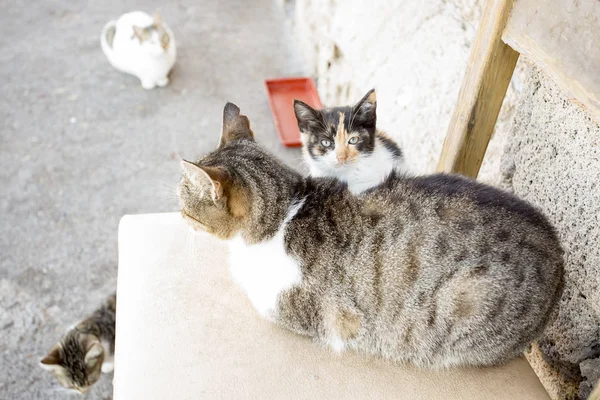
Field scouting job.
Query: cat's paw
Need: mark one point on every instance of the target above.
(108, 367)
(163, 82)
(148, 84)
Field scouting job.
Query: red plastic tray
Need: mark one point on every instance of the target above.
(281, 93)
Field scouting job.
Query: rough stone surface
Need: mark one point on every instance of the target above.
(553, 160)
(591, 370)
(82, 144)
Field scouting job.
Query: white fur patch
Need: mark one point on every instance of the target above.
(109, 364)
(264, 269)
(363, 174)
(336, 343)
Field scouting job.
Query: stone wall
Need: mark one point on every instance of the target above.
(553, 160)
(545, 148)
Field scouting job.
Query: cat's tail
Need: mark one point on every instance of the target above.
(106, 41)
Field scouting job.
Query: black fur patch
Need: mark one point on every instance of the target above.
(483, 195)
(390, 145)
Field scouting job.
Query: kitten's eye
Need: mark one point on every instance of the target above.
(353, 140)
(325, 143)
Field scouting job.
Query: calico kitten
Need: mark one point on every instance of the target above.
(85, 350)
(344, 143)
(437, 270)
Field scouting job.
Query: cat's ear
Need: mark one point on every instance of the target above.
(308, 118)
(138, 32)
(365, 111)
(235, 126)
(157, 18)
(52, 360)
(94, 354)
(211, 178)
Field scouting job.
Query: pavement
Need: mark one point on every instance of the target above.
(82, 144)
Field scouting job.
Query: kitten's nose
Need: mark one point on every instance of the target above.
(341, 158)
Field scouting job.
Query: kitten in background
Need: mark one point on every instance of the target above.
(85, 350)
(344, 143)
(596, 393)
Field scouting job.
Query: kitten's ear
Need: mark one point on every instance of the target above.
(157, 18)
(52, 359)
(212, 178)
(365, 111)
(138, 32)
(94, 354)
(235, 126)
(308, 118)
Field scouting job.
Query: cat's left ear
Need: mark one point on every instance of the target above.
(52, 359)
(94, 355)
(138, 33)
(235, 126)
(308, 118)
(212, 179)
(94, 352)
(157, 18)
(365, 111)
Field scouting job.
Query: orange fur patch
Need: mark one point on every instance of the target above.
(344, 152)
(372, 98)
(239, 203)
(348, 325)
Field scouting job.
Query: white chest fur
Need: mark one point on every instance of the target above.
(264, 270)
(366, 172)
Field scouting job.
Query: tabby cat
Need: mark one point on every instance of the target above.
(438, 270)
(85, 350)
(344, 143)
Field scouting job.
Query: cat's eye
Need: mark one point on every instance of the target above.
(353, 140)
(326, 143)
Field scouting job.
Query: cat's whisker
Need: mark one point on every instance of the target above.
(166, 189)
(350, 124)
(323, 125)
(65, 391)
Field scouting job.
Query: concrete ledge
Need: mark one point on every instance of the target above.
(185, 331)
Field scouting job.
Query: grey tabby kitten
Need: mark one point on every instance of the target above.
(85, 350)
(438, 271)
(344, 143)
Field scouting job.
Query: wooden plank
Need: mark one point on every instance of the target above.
(488, 74)
(562, 37)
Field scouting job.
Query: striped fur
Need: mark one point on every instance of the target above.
(86, 350)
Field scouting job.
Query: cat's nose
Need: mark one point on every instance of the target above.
(341, 158)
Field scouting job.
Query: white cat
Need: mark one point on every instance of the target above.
(140, 45)
(344, 143)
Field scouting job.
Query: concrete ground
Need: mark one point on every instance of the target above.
(82, 144)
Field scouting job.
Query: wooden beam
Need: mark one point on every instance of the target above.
(562, 38)
(488, 74)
